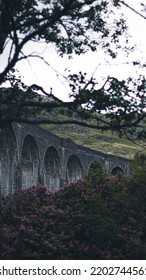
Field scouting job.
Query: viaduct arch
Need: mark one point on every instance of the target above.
(74, 168)
(30, 155)
(52, 168)
(29, 162)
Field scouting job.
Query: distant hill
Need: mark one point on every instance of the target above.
(106, 142)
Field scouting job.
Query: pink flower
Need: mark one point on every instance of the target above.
(22, 227)
(46, 243)
(31, 241)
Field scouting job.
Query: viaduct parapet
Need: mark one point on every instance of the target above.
(30, 155)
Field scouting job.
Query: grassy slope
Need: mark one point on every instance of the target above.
(106, 142)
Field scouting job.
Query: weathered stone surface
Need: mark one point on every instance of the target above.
(30, 155)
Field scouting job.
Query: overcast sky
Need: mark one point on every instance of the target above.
(35, 71)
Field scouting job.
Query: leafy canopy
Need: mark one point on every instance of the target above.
(72, 27)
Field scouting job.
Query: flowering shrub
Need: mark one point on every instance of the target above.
(79, 221)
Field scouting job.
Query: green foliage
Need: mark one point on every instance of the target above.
(95, 174)
(138, 168)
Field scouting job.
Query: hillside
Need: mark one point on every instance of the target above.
(106, 142)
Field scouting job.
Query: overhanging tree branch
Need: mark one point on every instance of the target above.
(114, 105)
(132, 9)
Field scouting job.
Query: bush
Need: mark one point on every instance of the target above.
(138, 168)
(79, 221)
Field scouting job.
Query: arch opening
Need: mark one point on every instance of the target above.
(95, 173)
(95, 168)
(74, 169)
(29, 162)
(52, 169)
(116, 170)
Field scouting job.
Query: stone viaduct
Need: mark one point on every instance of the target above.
(30, 155)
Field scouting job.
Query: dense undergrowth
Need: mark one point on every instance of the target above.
(94, 218)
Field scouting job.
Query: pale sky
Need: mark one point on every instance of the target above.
(35, 71)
